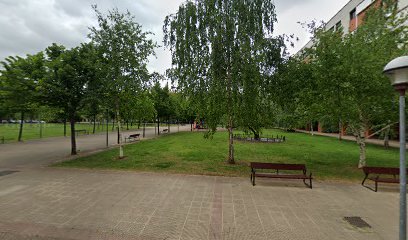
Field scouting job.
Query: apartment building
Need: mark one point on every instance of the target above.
(352, 14)
(348, 19)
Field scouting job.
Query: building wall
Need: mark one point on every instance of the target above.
(402, 4)
(343, 16)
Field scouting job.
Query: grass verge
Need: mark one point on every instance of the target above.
(186, 152)
(32, 130)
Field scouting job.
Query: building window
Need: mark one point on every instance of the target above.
(338, 26)
(353, 14)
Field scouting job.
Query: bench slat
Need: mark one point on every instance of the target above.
(277, 166)
(381, 170)
(288, 176)
(384, 180)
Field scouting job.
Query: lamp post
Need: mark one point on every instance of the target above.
(397, 71)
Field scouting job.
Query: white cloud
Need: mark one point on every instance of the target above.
(29, 26)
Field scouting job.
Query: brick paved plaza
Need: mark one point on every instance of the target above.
(47, 203)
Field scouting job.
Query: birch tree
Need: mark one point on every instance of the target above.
(124, 50)
(221, 52)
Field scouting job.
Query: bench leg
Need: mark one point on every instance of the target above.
(376, 186)
(365, 178)
(253, 179)
(310, 183)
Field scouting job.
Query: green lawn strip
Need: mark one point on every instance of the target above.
(327, 158)
(32, 130)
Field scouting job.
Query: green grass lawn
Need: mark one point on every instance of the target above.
(190, 153)
(32, 131)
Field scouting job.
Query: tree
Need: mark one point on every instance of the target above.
(19, 79)
(296, 93)
(349, 70)
(65, 86)
(221, 52)
(162, 103)
(124, 50)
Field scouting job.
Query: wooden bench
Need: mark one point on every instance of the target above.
(280, 167)
(380, 174)
(133, 137)
(81, 131)
(165, 130)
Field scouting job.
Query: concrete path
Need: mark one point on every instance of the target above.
(35, 153)
(43, 203)
(380, 142)
(85, 204)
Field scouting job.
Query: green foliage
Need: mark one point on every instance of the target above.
(340, 78)
(162, 102)
(66, 85)
(222, 52)
(18, 80)
(123, 54)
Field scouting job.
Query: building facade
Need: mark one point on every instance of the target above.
(352, 15)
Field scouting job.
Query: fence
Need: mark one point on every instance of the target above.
(264, 138)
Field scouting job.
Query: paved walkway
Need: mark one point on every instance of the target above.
(35, 153)
(393, 143)
(85, 204)
(43, 203)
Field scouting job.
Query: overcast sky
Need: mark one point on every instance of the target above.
(29, 26)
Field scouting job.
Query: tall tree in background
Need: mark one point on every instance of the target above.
(65, 86)
(221, 52)
(19, 78)
(124, 50)
(162, 103)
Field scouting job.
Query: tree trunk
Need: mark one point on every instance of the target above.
(387, 137)
(311, 128)
(127, 125)
(94, 124)
(119, 130)
(158, 126)
(340, 130)
(231, 159)
(20, 132)
(118, 135)
(230, 145)
(256, 134)
(65, 127)
(73, 139)
(360, 137)
(168, 124)
(144, 130)
(41, 129)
